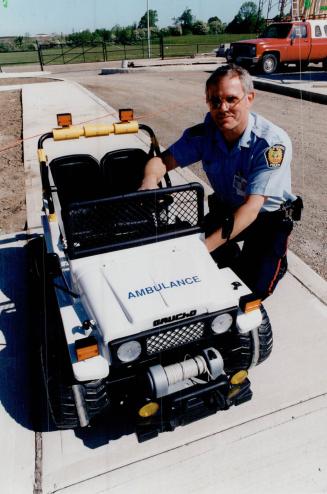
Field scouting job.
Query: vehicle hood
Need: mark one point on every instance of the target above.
(126, 291)
(260, 41)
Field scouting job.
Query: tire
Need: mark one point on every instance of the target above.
(248, 349)
(52, 376)
(52, 397)
(262, 340)
(269, 63)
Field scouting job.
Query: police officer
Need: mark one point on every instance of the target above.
(247, 161)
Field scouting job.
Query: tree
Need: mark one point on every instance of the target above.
(200, 27)
(175, 30)
(212, 19)
(248, 10)
(80, 38)
(186, 20)
(153, 19)
(102, 35)
(215, 25)
(247, 20)
(19, 41)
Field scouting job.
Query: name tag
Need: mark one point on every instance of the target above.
(239, 184)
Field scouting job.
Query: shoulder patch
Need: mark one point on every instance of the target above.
(275, 155)
(197, 130)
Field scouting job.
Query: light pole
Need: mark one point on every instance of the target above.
(148, 23)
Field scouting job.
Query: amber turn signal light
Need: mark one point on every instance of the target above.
(126, 114)
(64, 119)
(86, 348)
(249, 303)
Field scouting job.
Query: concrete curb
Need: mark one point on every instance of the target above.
(290, 91)
(14, 75)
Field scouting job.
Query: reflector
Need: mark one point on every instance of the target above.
(149, 409)
(239, 377)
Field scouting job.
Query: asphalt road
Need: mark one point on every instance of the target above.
(170, 101)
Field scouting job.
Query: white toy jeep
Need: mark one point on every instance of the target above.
(137, 318)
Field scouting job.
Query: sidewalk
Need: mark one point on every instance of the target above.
(276, 443)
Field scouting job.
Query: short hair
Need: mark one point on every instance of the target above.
(231, 70)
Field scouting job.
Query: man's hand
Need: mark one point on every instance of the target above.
(244, 216)
(155, 170)
(214, 241)
(149, 182)
(153, 173)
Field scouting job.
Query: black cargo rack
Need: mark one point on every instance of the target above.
(138, 218)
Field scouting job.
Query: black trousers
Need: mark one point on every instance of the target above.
(262, 262)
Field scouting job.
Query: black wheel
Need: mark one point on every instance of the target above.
(269, 63)
(262, 340)
(242, 351)
(51, 372)
(52, 376)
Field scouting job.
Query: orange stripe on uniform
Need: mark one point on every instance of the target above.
(270, 289)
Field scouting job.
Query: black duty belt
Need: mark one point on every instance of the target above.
(288, 210)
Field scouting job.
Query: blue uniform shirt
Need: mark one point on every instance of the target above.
(259, 162)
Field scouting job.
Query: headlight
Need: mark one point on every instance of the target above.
(129, 351)
(253, 51)
(221, 323)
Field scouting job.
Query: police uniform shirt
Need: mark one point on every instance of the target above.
(258, 163)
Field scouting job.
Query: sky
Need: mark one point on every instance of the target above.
(30, 17)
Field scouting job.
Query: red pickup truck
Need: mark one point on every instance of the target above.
(299, 42)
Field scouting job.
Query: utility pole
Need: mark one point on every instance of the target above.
(148, 23)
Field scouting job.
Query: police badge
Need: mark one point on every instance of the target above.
(275, 155)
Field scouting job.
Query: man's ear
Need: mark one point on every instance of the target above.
(250, 97)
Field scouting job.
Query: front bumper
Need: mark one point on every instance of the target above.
(245, 61)
(190, 405)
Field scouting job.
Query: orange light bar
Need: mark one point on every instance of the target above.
(126, 114)
(64, 119)
(86, 348)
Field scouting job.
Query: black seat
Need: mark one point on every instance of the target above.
(123, 170)
(77, 178)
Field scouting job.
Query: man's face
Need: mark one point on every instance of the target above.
(229, 106)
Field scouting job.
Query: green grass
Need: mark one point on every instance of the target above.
(174, 46)
(207, 39)
(13, 57)
(65, 55)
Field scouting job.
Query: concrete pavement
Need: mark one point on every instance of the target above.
(277, 443)
(17, 439)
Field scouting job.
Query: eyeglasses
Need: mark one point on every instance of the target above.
(230, 102)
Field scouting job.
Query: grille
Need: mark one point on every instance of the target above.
(122, 220)
(242, 50)
(174, 338)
